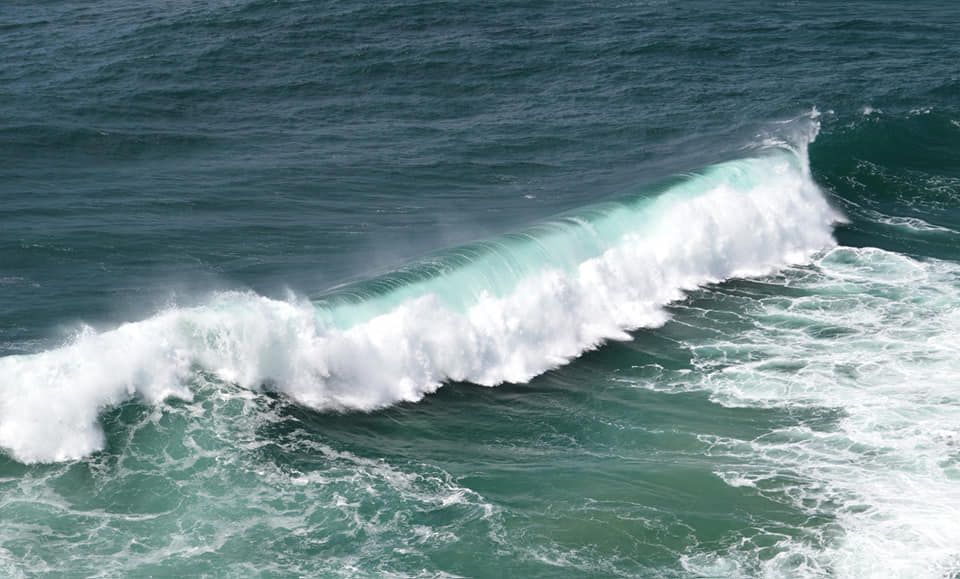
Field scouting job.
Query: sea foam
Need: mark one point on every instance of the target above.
(868, 336)
(504, 310)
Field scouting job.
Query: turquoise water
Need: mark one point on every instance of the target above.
(520, 289)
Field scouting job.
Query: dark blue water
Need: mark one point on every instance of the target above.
(510, 289)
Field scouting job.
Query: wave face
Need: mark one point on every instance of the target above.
(503, 310)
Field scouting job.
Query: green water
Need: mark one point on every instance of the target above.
(423, 289)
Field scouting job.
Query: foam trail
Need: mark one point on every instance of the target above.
(871, 334)
(504, 310)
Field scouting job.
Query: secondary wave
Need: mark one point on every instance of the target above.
(504, 310)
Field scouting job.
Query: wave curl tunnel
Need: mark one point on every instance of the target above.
(503, 310)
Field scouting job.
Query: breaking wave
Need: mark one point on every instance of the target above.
(501, 310)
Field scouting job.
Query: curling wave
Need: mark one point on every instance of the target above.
(503, 310)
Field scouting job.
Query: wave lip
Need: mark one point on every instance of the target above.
(499, 311)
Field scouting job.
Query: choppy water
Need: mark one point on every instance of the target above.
(517, 289)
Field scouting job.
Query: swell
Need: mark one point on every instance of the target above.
(894, 175)
(923, 140)
(500, 310)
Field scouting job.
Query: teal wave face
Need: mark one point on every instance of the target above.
(461, 276)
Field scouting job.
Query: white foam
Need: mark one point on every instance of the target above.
(760, 215)
(909, 223)
(888, 472)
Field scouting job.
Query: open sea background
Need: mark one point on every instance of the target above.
(499, 289)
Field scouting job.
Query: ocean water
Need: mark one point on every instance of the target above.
(515, 289)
